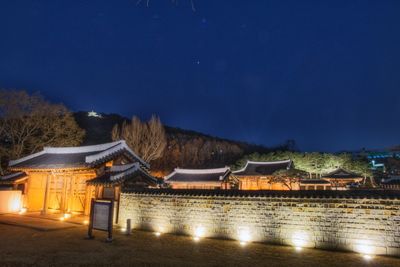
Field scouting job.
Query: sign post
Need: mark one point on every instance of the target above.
(101, 217)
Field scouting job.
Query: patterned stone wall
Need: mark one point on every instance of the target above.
(369, 225)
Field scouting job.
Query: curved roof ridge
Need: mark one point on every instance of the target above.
(269, 162)
(91, 154)
(199, 171)
(34, 155)
(249, 162)
(223, 171)
(133, 168)
(124, 167)
(82, 149)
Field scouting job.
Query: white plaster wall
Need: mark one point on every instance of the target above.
(10, 201)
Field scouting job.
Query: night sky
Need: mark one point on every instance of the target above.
(325, 73)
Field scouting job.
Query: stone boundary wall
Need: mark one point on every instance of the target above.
(367, 222)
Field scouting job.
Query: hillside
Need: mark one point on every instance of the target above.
(185, 149)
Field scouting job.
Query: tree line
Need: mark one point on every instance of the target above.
(29, 122)
(315, 164)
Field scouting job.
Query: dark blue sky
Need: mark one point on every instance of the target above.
(325, 73)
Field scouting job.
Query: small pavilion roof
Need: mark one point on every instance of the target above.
(263, 168)
(198, 175)
(119, 173)
(75, 157)
(341, 174)
(13, 177)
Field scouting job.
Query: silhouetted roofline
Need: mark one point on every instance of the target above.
(246, 172)
(82, 156)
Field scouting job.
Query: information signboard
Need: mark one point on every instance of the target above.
(101, 217)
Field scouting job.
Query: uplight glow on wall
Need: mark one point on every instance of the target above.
(244, 235)
(366, 248)
(300, 239)
(199, 233)
(22, 211)
(15, 204)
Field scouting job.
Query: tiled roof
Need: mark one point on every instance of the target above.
(263, 168)
(340, 194)
(12, 177)
(74, 157)
(341, 174)
(391, 182)
(118, 174)
(198, 175)
(314, 181)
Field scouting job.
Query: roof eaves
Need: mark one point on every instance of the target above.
(17, 161)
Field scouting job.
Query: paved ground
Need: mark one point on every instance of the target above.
(21, 246)
(34, 222)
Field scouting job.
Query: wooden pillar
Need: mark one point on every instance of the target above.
(64, 195)
(46, 194)
(88, 197)
(117, 194)
(71, 194)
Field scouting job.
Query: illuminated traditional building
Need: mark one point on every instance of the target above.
(315, 184)
(392, 183)
(257, 175)
(65, 179)
(200, 179)
(341, 179)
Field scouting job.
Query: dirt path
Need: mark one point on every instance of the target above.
(67, 247)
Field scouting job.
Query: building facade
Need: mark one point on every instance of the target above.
(200, 179)
(65, 179)
(258, 175)
(341, 179)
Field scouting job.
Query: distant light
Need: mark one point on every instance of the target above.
(196, 238)
(157, 233)
(85, 222)
(62, 219)
(67, 215)
(298, 248)
(243, 243)
(123, 230)
(94, 114)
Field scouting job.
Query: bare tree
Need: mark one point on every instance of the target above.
(148, 139)
(28, 123)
